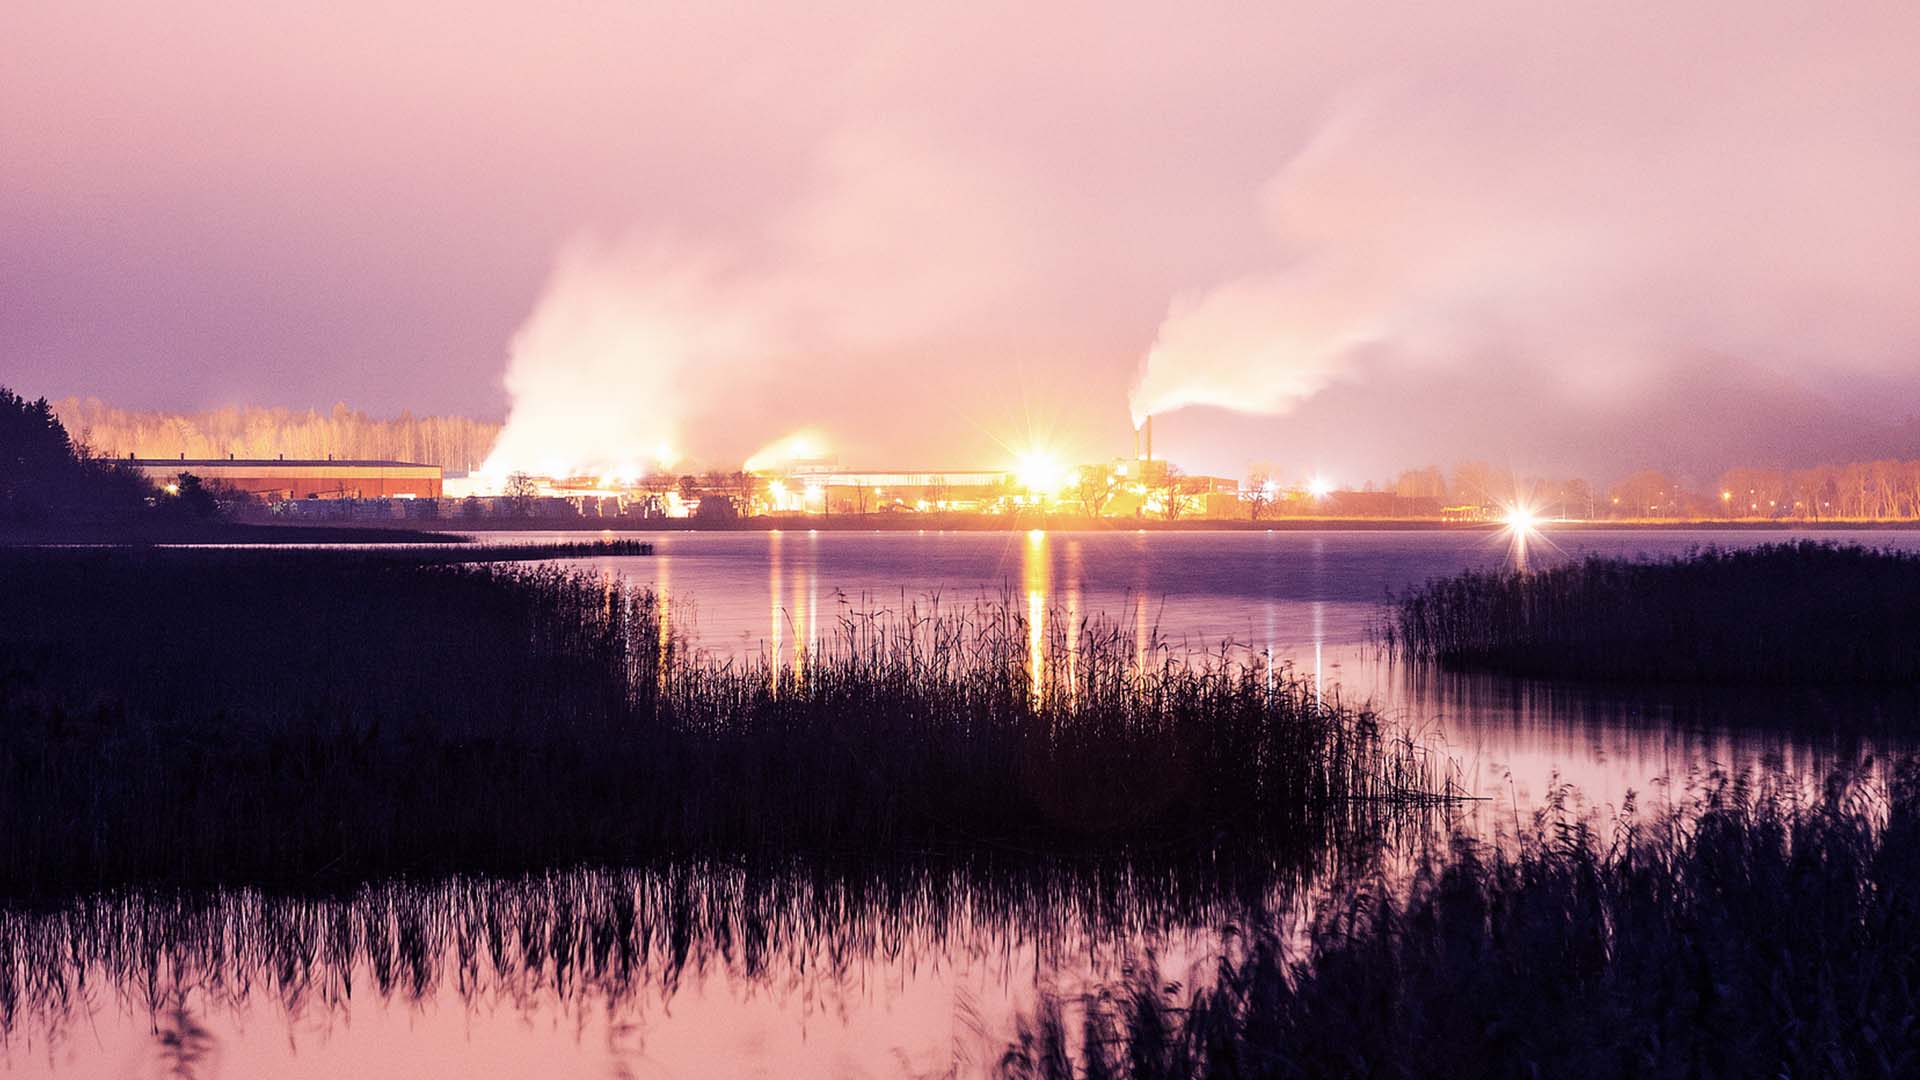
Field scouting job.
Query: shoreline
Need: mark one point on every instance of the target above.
(1027, 523)
(456, 531)
(147, 535)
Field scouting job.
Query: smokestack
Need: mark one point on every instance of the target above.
(1147, 428)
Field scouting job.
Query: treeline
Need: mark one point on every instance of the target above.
(1860, 489)
(44, 477)
(452, 442)
(1885, 490)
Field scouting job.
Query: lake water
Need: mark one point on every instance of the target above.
(1306, 597)
(730, 970)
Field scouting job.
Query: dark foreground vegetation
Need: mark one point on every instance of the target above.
(1798, 613)
(1751, 935)
(205, 716)
(46, 478)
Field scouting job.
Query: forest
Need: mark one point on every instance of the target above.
(455, 443)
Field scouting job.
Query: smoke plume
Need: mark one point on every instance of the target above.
(890, 247)
(1582, 236)
(625, 342)
(1611, 223)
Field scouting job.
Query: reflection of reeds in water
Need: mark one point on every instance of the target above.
(1800, 613)
(1809, 729)
(291, 717)
(1750, 932)
(183, 1044)
(580, 941)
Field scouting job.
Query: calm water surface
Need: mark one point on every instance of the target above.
(1307, 597)
(722, 970)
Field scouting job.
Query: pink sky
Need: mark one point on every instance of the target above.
(1554, 236)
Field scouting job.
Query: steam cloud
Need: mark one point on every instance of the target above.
(638, 344)
(1613, 215)
(604, 371)
(916, 234)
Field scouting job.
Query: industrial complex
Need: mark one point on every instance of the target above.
(1140, 487)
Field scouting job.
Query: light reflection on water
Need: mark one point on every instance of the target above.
(680, 971)
(1306, 599)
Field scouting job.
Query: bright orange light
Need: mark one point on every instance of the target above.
(1319, 487)
(1040, 472)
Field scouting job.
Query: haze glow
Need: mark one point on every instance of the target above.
(1552, 236)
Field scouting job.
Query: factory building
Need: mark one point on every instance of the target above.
(842, 491)
(278, 478)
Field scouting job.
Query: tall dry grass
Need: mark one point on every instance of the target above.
(1796, 613)
(217, 716)
(1752, 933)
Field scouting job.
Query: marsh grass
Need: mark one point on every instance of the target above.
(1754, 932)
(302, 718)
(1798, 613)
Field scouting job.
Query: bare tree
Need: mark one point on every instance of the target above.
(1174, 487)
(1259, 493)
(520, 492)
(453, 442)
(1648, 493)
(1095, 488)
(938, 491)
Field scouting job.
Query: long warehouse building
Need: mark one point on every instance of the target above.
(279, 478)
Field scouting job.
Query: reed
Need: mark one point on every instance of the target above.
(1777, 614)
(1753, 933)
(299, 717)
